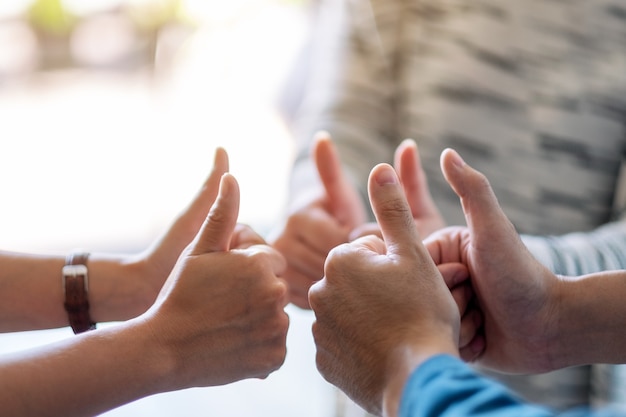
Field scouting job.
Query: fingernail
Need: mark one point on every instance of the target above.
(225, 186)
(386, 176)
(409, 142)
(321, 134)
(456, 159)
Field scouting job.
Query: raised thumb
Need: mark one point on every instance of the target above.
(480, 205)
(392, 211)
(216, 232)
(344, 201)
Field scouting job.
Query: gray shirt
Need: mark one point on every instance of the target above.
(532, 93)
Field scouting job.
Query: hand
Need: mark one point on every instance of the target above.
(219, 318)
(322, 223)
(127, 286)
(220, 314)
(146, 272)
(428, 219)
(413, 178)
(381, 302)
(513, 290)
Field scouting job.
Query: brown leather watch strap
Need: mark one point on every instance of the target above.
(76, 285)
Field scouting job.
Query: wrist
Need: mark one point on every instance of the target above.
(156, 362)
(567, 338)
(119, 288)
(590, 319)
(76, 288)
(554, 333)
(403, 361)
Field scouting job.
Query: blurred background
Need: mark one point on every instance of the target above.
(110, 111)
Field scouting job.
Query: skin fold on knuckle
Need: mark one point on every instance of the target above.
(218, 215)
(396, 210)
(478, 189)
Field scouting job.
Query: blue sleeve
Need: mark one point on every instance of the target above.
(444, 386)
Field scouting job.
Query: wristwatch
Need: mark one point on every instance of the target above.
(76, 287)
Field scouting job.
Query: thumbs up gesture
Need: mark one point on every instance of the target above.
(323, 221)
(513, 290)
(220, 315)
(383, 305)
(425, 213)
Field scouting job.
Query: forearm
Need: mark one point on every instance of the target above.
(84, 375)
(591, 318)
(32, 294)
(576, 254)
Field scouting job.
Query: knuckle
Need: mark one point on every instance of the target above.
(279, 289)
(217, 216)
(342, 260)
(397, 209)
(257, 260)
(323, 366)
(337, 257)
(316, 331)
(315, 295)
(320, 362)
(276, 356)
(282, 325)
(481, 182)
(294, 220)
